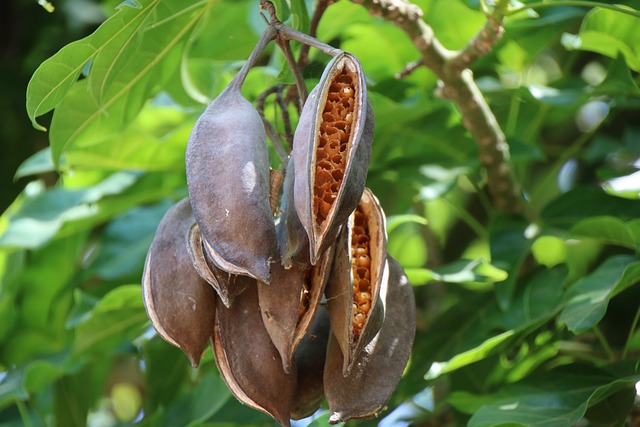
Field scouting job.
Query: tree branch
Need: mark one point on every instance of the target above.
(457, 84)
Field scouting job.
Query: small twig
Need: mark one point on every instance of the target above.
(410, 68)
(284, 114)
(270, 131)
(293, 66)
(321, 7)
(482, 43)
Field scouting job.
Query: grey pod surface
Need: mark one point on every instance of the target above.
(331, 151)
(226, 285)
(179, 303)
(379, 367)
(290, 303)
(227, 168)
(247, 359)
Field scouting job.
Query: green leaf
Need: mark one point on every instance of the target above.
(618, 81)
(509, 247)
(606, 229)
(39, 374)
(11, 388)
(396, 220)
(212, 394)
(488, 347)
(558, 398)
(299, 15)
(609, 33)
(53, 79)
(469, 271)
(36, 164)
(588, 298)
(119, 316)
(125, 242)
(40, 217)
(585, 202)
(146, 61)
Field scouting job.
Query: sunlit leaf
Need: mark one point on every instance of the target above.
(119, 316)
(558, 398)
(83, 119)
(52, 80)
(588, 298)
(606, 229)
(609, 33)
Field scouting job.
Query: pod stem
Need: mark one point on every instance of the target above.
(267, 36)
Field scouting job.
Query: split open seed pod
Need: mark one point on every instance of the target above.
(380, 365)
(358, 273)
(290, 303)
(179, 303)
(226, 285)
(331, 151)
(227, 168)
(247, 359)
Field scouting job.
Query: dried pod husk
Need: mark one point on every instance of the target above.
(310, 359)
(331, 151)
(247, 359)
(226, 285)
(227, 167)
(293, 242)
(379, 367)
(290, 303)
(359, 271)
(179, 303)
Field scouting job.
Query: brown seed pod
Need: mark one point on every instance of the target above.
(310, 359)
(290, 303)
(359, 271)
(379, 367)
(179, 303)
(247, 359)
(227, 167)
(293, 242)
(331, 151)
(226, 285)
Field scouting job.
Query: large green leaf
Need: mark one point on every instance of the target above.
(119, 316)
(606, 229)
(486, 328)
(558, 398)
(585, 202)
(509, 247)
(148, 58)
(588, 298)
(42, 216)
(53, 79)
(609, 33)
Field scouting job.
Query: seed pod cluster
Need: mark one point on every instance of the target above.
(223, 267)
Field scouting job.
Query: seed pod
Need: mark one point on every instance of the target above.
(226, 285)
(379, 367)
(331, 151)
(247, 359)
(289, 304)
(179, 303)
(359, 271)
(310, 359)
(228, 180)
(293, 242)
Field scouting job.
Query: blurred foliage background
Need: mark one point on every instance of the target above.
(523, 320)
